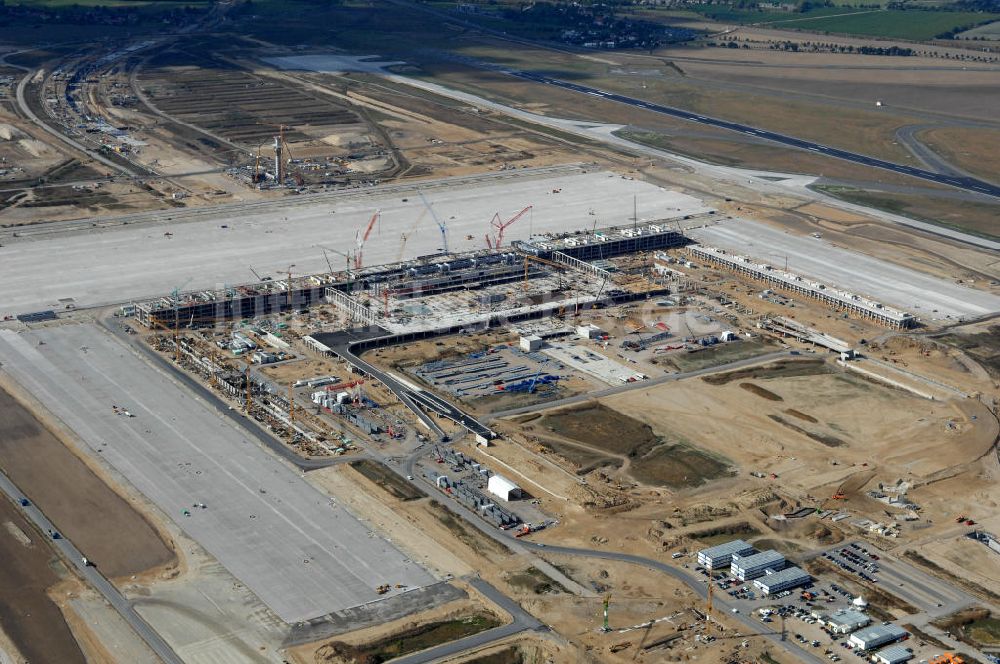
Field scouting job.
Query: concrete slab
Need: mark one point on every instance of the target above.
(215, 249)
(918, 293)
(301, 554)
(595, 364)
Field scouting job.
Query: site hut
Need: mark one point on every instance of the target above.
(893, 655)
(531, 343)
(717, 557)
(747, 568)
(846, 621)
(503, 488)
(775, 582)
(879, 635)
(589, 331)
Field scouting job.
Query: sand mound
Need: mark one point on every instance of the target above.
(33, 147)
(9, 132)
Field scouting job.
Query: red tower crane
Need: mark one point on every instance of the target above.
(362, 238)
(501, 226)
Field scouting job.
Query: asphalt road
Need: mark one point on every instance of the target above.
(93, 577)
(959, 182)
(522, 621)
(695, 584)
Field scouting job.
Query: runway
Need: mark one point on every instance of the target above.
(952, 180)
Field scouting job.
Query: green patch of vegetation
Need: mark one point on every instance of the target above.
(914, 25)
(983, 346)
(910, 24)
(466, 534)
(663, 142)
(678, 466)
(825, 439)
(584, 458)
(802, 416)
(510, 655)
(388, 480)
(779, 369)
(721, 534)
(761, 392)
(718, 354)
(597, 425)
(966, 216)
(412, 640)
(985, 631)
(534, 580)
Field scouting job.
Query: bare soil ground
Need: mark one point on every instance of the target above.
(98, 520)
(28, 615)
(593, 435)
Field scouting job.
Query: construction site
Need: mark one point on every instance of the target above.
(318, 357)
(522, 395)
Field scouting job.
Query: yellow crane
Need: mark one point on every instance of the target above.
(544, 261)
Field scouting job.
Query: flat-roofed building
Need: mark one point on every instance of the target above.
(879, 635)
(846, 621)
(717, 557)
(746, 568)
(893, 655)
(775, 582)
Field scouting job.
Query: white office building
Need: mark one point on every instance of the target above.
(846, 621)
(746, 568)
(775, 582)
(718, 557)
(893, 655)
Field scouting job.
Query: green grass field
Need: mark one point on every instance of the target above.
(899, 24)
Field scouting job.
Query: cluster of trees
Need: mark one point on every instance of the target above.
(96, 15)
(820, 47)
(592, 24)
(828, 47)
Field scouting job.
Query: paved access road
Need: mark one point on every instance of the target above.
(522, 621)
(93, 576)
(694, 583)
(949, 179)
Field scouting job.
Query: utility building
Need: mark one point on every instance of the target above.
(893, 655)
(746, 568)
(879, 635)
(846, 621)
(718, 557)
(503, 488)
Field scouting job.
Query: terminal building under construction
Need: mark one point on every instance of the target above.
(789, 281)
(424, 276)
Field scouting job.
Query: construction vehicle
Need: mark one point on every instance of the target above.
(838, 496)
(947, 658)
(383, 589)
